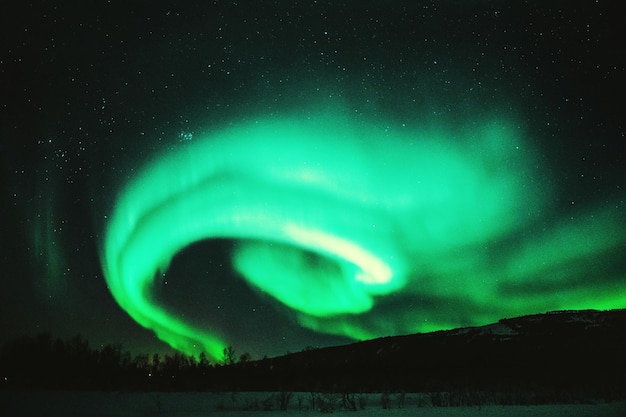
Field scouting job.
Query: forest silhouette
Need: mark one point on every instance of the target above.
(573, 356)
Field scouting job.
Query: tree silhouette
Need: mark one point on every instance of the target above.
(244, 357)
(230, 356)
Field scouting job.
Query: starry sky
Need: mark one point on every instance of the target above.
(90, 94)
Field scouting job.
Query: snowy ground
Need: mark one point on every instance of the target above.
(105, 404)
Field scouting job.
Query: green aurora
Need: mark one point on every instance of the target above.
(340, 219)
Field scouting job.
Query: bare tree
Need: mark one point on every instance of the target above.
(230, 356)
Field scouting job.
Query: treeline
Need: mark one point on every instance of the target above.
(44, 362)
(552, 358)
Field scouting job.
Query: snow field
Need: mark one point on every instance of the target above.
(209, 404)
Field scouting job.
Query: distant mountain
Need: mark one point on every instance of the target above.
(569, 355)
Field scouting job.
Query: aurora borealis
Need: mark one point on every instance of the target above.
(308, 174)
(330, 215)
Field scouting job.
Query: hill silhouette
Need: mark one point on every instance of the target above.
(565, 356)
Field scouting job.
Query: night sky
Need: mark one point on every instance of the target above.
(484, 141)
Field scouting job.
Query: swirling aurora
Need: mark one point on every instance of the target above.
(335, 217)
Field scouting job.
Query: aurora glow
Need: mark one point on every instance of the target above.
(334, 217)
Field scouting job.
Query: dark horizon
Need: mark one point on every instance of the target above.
(565, 357)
